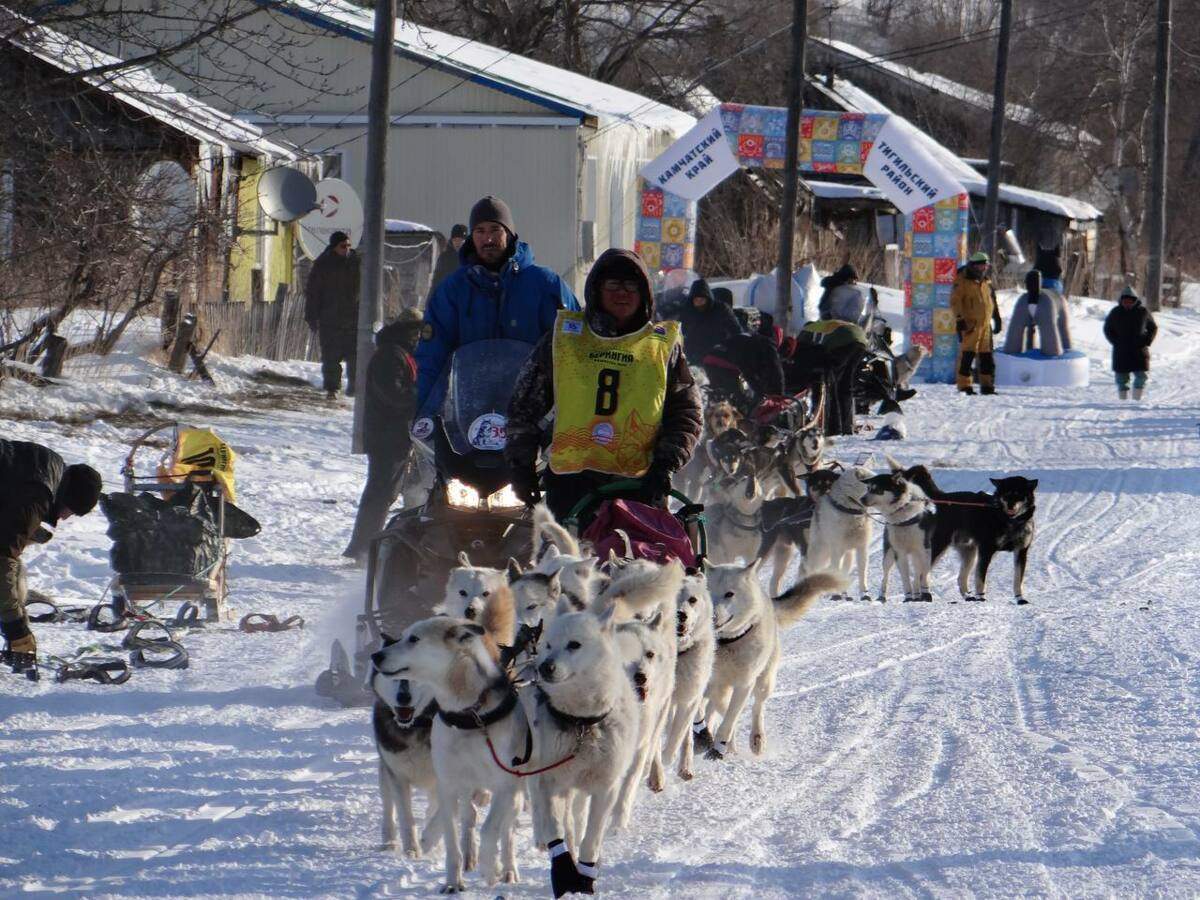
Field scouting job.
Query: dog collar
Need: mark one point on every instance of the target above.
(726, 641)
(925, 511)
(566, 721)
(846, 509)
(470, 718)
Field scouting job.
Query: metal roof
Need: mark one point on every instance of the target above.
(138, 88)
(548, 86)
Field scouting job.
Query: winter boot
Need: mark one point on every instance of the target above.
(968, 390)
(987, 389)
(1138, 393)
(1123, 394)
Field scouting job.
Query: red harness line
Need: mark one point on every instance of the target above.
(562, 762)
(961, 503)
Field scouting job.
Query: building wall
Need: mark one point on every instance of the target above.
(269, 254)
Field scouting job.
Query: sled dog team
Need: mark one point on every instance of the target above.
(564, 684)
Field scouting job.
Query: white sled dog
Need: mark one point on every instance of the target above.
(402, 721)
(648, 648)
(841, 528)
(907, 363)
(482, 595)
(556, 550)
(586, 723)
(909, 515)
(748, 623)
(694, 649)
(476, 702)
(735, 518)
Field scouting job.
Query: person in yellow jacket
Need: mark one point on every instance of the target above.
(977, 317)
(617, 386)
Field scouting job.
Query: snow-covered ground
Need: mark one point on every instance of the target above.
(946, 750)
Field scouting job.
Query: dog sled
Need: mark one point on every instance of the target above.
(171, 527)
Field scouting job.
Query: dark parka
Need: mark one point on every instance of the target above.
(332, 293)
(391, 391)
(30, 475)
(533, 397)
(704, 329)
(1131, 332)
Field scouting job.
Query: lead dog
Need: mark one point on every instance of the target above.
(476, 704)
(748, 623)
(402, 720)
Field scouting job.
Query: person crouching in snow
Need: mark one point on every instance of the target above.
(36, 486)
(1130, 329)
(624, 402)
(391, 404)
(973, 301)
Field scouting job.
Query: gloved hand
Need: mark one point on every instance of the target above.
(656, 484)
(525, 484)
(960, 328)
(996, 324)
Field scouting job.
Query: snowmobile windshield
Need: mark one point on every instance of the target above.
(471, 397)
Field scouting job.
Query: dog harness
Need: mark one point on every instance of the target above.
(846, 509)
(609, 394)
(567, 721)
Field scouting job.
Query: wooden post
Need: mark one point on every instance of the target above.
(55, 347)
(183, 340)
(169, 320)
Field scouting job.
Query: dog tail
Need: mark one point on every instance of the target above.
(795, 601)
(643, 586)
(547, 532)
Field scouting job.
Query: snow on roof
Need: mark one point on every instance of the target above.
(138, 88)
(835, 190)
(538, 82)
(853, 97)
(404, 225)
(1014, 112)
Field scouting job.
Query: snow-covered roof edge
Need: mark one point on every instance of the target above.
(549, 86)
(1014, 112)
(853, 97)
(138, 88)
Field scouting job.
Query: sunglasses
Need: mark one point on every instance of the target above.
(614, 285)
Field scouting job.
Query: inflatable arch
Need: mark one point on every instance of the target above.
(885, 149)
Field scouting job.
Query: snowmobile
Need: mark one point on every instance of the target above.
(472, 509)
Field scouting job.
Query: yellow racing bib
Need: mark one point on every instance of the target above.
(608, 396)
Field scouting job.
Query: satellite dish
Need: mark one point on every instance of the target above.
(286, 194)
(164, 201)
(338, 209)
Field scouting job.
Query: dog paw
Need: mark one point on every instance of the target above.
(656, 784)
(388, 847)
(1021, 601)
(909, 598)
(510, 876)
(881, 599)
(758, 743)
(926, 597)
(718, 750)
(702, 740)
(412, 853)
(865, 598)
(686, 775)
(456, 888)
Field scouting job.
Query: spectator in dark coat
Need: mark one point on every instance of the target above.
(448, 260)
(35, 487)
(331, 310)
(614, 275)
(705, 322)
(390, 406)
(842, 298)
(1131, 329)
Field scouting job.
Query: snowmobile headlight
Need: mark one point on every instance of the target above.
(461, 495)
(505, 498)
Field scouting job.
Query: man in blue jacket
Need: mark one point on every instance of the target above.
(498, 292)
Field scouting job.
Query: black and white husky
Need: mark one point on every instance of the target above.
(402, 720)
(909, 516)
(841, 528)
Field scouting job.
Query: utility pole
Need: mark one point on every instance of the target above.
(791, 175)
(378, 122)
(1158, 172)
(991, 208)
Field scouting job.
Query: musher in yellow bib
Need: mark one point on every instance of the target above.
(623, 402)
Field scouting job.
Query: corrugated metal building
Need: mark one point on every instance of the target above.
(467, 120)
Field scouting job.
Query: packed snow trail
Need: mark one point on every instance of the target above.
(914, 750)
